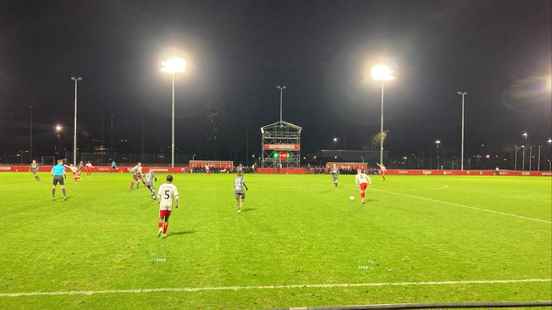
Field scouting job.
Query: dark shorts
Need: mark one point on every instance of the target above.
(240, 195)
(58, 179)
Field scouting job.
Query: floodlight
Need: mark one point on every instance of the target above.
(382, 73)
(173, 65)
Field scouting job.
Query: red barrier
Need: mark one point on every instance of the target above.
(124, 169)
(103, 169)
(467, 172)
(282, 170)
(218, 164)
(347, 165)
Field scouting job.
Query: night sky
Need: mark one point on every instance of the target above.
(500, 52)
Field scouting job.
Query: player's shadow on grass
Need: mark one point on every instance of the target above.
(184, 232)
(248, 209)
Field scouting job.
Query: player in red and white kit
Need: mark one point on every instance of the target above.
(89, 167)
(168, 197)
(362, 180)
(75, 170)
(136, 173)
(382, 171)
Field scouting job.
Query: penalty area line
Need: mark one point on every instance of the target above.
(465, 206)
(271, 287)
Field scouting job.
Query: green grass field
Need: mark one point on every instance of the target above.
(296, 230)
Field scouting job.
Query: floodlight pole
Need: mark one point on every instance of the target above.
(549, 142)
(76, 80)
(524, 146)
(172, 122)
(281, 88)
(530, 157)
(31, 133)
(539, 159)
(381, 123)
(463, 94)
(515, 157)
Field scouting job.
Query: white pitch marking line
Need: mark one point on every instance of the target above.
(466, 206)
(267, 287)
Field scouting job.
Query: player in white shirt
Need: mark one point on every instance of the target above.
(136, 173)
(362, 180)
(88, 168)
(34, 170)
(149, 181)
(335, 175)
(75, 171)
(382, 171)
(239, 189)
(168, 197)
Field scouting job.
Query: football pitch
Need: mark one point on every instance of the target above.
(299, 242)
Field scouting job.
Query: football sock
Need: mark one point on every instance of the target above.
(63, 191)
(53, 192)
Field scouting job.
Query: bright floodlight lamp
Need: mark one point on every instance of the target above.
(58, 128)
(382, 73)
(173, 65)
(549, 141)
(524, 134)
(335, 139)
(437, 141)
